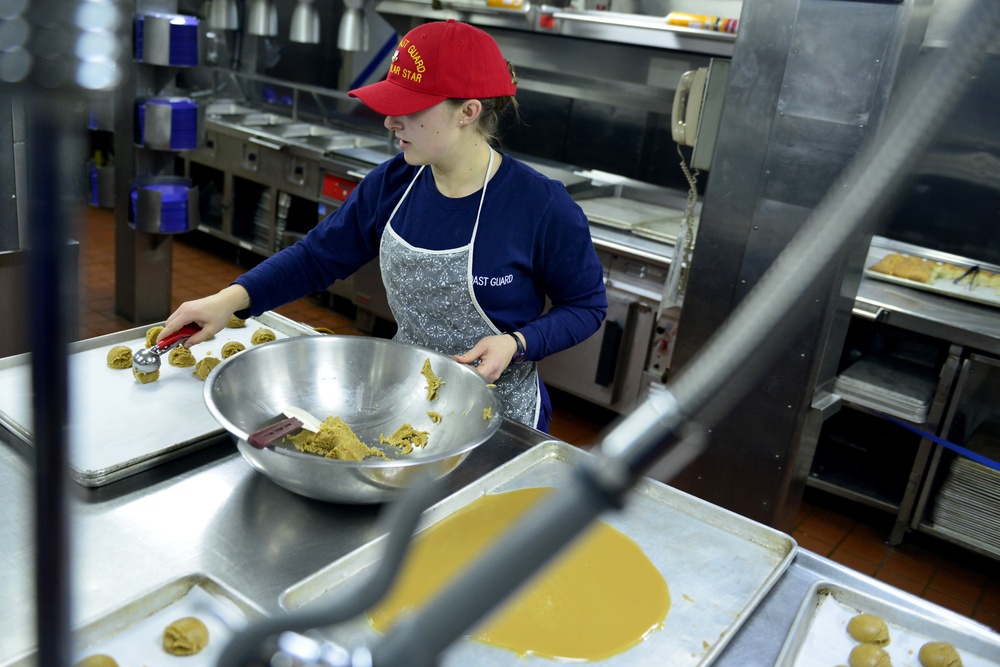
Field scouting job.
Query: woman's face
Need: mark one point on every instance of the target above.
(429, 136)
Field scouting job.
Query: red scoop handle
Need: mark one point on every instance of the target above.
(185, 331)
(269, 435)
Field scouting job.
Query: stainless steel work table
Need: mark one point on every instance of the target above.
(210, 513)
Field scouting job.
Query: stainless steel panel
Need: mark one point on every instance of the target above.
(119, 427)
(607, 367)
(9, 232)
(15, 295)
(717, 565)
(958, 322)
(784, 135)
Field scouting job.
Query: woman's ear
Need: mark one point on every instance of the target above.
(470, 111)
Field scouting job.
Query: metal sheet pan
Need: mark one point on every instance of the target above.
(118, 427)
(981, 294)
(818, 637)
(132, 634)
(624, 213)
(717, 565)
(661, 230)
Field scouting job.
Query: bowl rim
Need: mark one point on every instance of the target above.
(242, 437)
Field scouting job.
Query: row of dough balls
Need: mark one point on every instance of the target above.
(185, 636)
(872, 633)
(120, 356)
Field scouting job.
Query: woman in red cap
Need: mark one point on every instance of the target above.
(471, 242)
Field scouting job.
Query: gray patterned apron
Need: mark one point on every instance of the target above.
(432, 300)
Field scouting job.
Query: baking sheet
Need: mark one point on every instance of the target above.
(625, 213)
(717, 565)
(133, 633)
(981, 294)
(818, 637)
(666, 231)
(117, 426)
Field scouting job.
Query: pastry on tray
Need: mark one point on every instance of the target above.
(908, 267)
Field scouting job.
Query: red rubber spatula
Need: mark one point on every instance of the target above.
(297, 418)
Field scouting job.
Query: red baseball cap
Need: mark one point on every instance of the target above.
(435, 62)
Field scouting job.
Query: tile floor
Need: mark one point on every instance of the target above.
(843, 531)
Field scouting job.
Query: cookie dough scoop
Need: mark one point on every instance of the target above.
(148, 360)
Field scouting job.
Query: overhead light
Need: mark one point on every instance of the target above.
(353, 33)
(262, 18)
(223, 16)
(305, 23)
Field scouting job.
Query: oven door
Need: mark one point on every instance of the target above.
(607, 368)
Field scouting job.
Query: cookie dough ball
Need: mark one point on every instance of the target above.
(868, 629)
(119, 357)
(235, 322)
(146, 378)
(262, 336)
(231, 348)
(185, 636)
(939, 654)
(181, 357)
(868, 655)
(205, 366)
(99, 660)
(151, 336)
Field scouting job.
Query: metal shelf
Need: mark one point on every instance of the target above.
(958, 539)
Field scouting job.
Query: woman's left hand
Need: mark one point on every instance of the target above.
(493, 354)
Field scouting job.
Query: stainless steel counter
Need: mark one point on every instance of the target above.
(959, 322)
(210, 513)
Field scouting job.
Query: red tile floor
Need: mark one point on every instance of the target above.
(849, 534)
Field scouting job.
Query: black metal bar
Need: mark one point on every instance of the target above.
(50, 326)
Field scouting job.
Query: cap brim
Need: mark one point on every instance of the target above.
(391, 99)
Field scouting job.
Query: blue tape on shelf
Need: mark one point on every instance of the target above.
(958, 449)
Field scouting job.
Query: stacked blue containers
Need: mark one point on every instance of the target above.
(166, 39)
(167, 123)
(173, 211)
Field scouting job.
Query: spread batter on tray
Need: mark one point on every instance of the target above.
(601, 597)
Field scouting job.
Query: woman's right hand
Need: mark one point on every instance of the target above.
(211, 313)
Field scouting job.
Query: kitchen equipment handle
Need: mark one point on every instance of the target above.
(267, 144)
(181, 334)
(607, 360)
(269, 435)
(877, 314)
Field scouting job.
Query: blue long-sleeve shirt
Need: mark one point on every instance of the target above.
(533, 241)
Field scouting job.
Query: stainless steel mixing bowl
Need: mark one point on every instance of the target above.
(375, 386)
